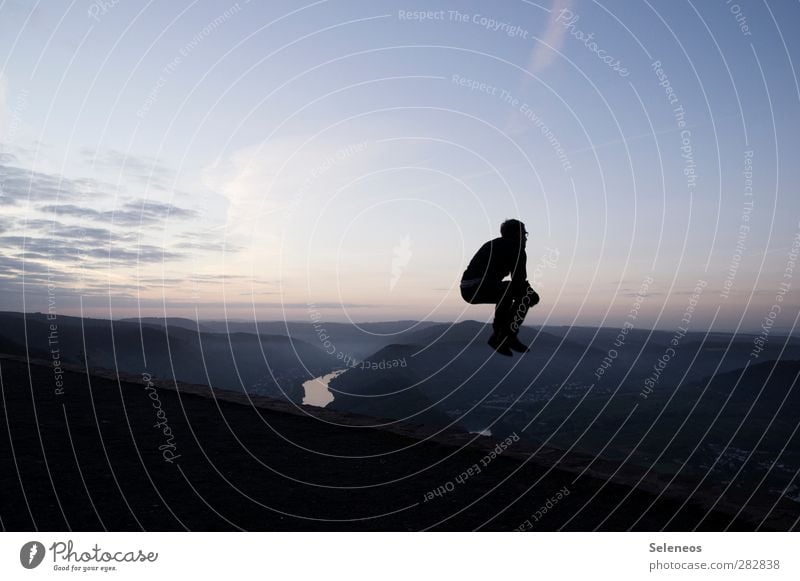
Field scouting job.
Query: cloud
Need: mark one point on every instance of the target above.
(633, 294)
(134, 213)
(18, 184)
(264, 183)
(56, 249)
(58, 230)
(324, 305)
(61, 198)
(200, 240)
(136, 168)
(3, 102)
(79, 197)
(545, 51)
(73, 246)
(71, 232)
(253, 184)
(253, 293)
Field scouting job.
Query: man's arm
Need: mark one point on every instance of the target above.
(520, 281)
(519, 271)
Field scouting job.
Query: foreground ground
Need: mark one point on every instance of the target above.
(100, 456)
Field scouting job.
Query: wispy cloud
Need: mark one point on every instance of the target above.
(321, 305)
(55, 230)
(130, 167)
(21, 184)
(3, 102)
(201, 241)
(545, 51)
(263, 183)
(134, 213)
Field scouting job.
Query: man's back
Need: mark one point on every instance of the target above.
(495, 260)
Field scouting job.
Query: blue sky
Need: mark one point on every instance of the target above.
(244, 159)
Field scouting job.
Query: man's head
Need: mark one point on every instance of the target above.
(513, 230)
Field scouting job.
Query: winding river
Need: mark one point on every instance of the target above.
(316, 390)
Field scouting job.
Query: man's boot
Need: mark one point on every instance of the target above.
(499, 343)
(515, 344)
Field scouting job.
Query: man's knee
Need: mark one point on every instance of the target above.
(467, 298)
(530, 297)
(473, 296)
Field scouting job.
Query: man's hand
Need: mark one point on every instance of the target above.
(530, 296)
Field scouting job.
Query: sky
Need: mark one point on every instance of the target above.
(269, 160)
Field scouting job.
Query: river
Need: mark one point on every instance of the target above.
(316, 390)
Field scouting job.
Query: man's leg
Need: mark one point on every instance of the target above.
(504, 309)
(522, 302)
(502, 319)
(500, 295)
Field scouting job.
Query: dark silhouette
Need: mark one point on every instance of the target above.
(482, 282)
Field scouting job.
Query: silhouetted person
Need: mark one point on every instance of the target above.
(483, 282)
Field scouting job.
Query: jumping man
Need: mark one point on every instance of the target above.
(483, 283)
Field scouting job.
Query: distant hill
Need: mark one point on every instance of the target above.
(354, 340)
(181, 322)
(267, 364)
(451, 369)
(737, 430)
(769, 381)
(758, 408)
(365, 391)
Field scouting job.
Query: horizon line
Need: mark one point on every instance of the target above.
(787, 331)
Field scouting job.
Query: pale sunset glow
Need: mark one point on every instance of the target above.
(245, 160)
